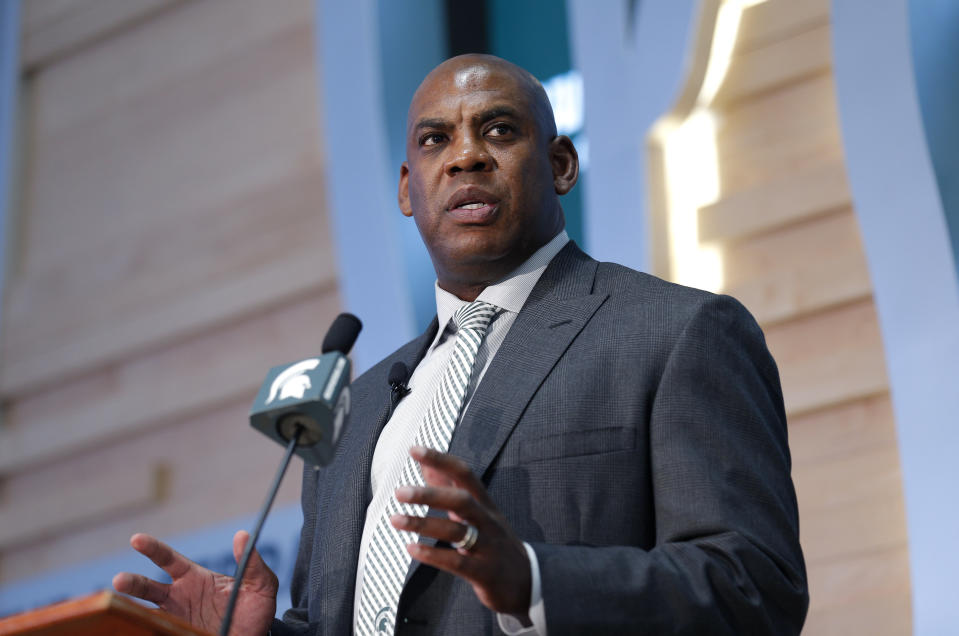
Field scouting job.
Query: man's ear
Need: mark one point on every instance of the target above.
(565, 164)
(403, 196)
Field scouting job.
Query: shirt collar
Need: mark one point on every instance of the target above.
(511, 292)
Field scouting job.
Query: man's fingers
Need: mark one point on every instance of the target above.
(434, 527)
(497, 566)
(454, 500)
(166, 558)
(447, 560)
(141, 587)
(258, 574)
(433, 477)
(501, 582)
(239, 544)
(437, 465)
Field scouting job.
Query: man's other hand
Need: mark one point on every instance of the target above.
(496, 565)
(199, 595)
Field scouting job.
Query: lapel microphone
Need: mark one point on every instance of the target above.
(399, 376)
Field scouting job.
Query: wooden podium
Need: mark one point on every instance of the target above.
(99, 614)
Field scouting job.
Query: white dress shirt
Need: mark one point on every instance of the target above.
(399, 434)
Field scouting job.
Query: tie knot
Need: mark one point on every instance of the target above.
(475, 316)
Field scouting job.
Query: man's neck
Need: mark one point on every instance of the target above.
(468, 286)
(464, 292)
(469, 291)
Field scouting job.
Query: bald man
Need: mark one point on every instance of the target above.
(618, 461)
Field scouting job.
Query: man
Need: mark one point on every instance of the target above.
(619, 460)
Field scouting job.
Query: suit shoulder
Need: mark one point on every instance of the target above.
(619, 280)
(652, 300)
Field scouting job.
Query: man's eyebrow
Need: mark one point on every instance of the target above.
(497, 111)
(486, 115)
(435, 123)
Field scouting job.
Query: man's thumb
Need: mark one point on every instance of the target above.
(257, 571)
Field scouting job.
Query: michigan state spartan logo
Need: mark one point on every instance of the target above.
(382, 622)
(292, 381)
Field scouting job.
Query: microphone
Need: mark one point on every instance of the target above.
(302, 406)
(342, 334)
(312, 394)
(399, 376)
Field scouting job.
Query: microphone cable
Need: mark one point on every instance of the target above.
(251, 543)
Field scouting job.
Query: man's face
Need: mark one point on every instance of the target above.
(479, 179)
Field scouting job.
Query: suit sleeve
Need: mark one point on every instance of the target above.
(726, 558)
(296, 619)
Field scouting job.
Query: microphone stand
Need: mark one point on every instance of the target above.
(251, 544)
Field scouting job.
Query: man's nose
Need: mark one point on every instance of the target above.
(469, 155)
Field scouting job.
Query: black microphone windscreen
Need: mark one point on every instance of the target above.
(399, 374)
(342, 334)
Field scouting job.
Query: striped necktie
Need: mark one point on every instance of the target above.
(386, 558)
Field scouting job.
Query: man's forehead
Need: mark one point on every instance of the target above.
(482, 82)
(471, 77)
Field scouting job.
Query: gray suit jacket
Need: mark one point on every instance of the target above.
(632, 431)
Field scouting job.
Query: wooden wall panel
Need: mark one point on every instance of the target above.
(851, 505)
(795, 128)
(863, 593)
(165, 384)
(777, 64)
(792, 270)
(785, 229)
(801, 194)
(172, 244)
(217, 468)
(38, 511)
(54, 28)
(845, 429)
(164, 204)
(829, 357)
(767, 23)
(181, 46)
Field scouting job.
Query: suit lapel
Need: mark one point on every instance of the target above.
(558, 308)
(556, 311)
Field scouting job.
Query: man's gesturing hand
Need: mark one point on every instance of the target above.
(497, 565)
(199, 595)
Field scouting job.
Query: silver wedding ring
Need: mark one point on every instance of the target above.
(468, 540)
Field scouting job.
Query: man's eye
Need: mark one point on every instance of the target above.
(431, 139)
(499, 130)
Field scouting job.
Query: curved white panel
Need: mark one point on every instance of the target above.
(631, 76)
(914, 278)
(360, 181)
